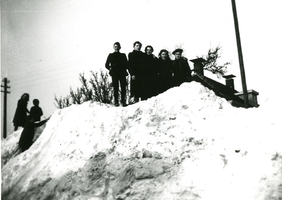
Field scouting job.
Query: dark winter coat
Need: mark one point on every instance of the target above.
(150, 74)
(37, 112)
(136, 61)
(136, 67)
(117, 64)
(28, 132)
(21, 113)
(164, 74)
(181, 71)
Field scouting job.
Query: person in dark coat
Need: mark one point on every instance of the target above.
(26, 139)
(117, 65)
(164, 71)
(21, 111)
(150, 73)
(136, 65)
(35, 110)
(180, 68)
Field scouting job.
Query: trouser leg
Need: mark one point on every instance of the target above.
(116, 88)
(123, 89)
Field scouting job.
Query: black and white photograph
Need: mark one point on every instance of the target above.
(141, 100)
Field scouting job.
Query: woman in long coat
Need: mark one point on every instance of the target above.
(21, 111)
(164, 71)
(180, 68)
(149, 72)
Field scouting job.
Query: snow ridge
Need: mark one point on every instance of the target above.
(182, 144)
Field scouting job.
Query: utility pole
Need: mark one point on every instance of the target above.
(240, 55)
(5, 91)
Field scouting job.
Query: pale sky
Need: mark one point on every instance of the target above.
(46, 44)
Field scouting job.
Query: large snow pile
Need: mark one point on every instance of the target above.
(186, 143)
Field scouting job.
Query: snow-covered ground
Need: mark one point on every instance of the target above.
(186, 143)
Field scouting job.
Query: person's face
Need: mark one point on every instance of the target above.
(177, 55)
(149, 51)
(116, 47)
(164, 55)
(137, 47)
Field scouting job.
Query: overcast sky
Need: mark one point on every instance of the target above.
(46, 44)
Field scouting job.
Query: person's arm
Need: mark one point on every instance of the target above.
(37, 124)
(125, 62)
(130, 67)
(41, 112)
(108, 61)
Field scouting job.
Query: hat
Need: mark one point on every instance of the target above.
(177, 50)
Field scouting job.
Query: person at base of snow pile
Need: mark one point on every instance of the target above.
(28, 132)
(181, 71)
(136, 65)
(35, 110)
(21, 111)
(117, 65)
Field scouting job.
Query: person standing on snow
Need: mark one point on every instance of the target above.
(180, 68)
(164, 71)
(26, 138)
(150, 74)
(35, 110)
(117, 65)
(21, 111)
(136, 65)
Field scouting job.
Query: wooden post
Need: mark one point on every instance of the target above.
(198, 65)
(240, 55)
(5, 86)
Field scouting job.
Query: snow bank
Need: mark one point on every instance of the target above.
(186, 143)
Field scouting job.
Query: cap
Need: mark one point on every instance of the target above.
(177, 50)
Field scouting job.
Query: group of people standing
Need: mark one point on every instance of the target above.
(149, 75)
(22, 111)
(29, 120)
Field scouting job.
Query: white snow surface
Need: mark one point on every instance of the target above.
(186, 143)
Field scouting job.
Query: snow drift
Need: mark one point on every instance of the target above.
(186, 143)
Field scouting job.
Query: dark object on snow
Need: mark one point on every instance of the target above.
(117, 65)
(28, 132)
(136, 62)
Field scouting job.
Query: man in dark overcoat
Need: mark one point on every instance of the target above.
(136, 66)
(117, 65)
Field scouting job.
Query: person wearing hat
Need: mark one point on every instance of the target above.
(181, 71)
(117, 65)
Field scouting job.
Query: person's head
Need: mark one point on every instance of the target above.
(163, 54)
(35, 102)
(25, 97)
(177, 53)
(117, 46)
(149, 50)
(137, 46)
